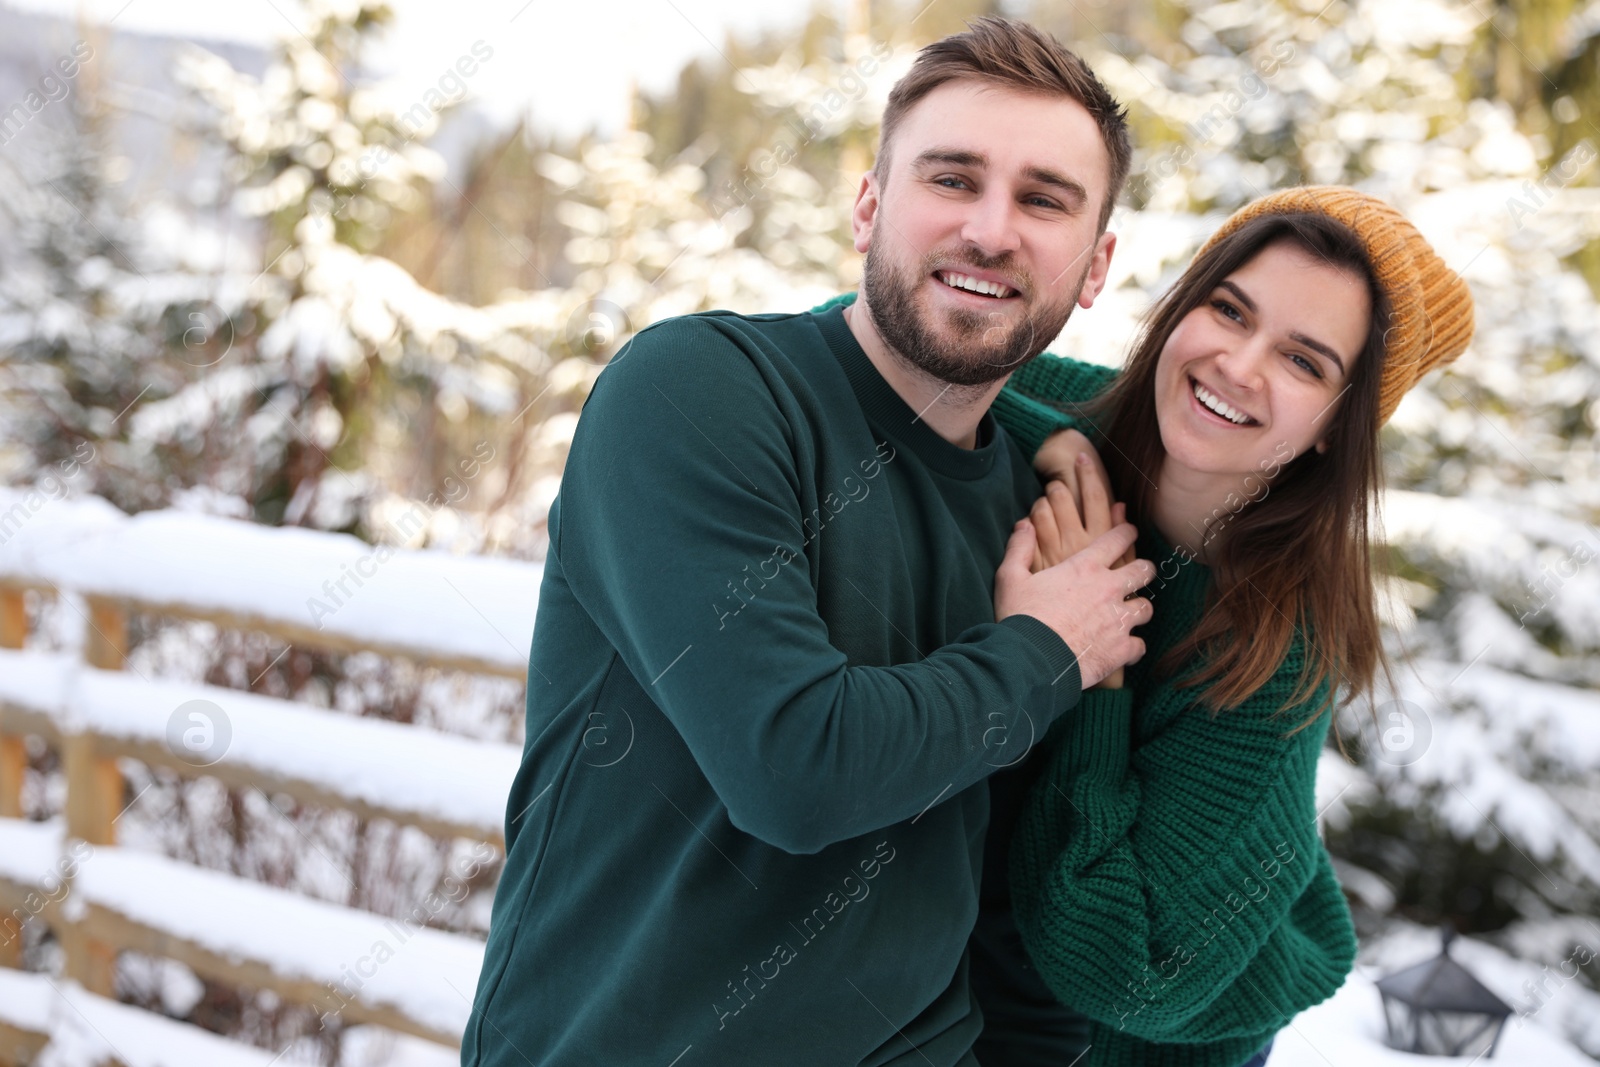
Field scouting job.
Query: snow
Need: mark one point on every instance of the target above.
(426, 604)
(427, 975)
(461, 781)
(30, 852)
(1493, 731)
(1549, 1009)
(1496, 545)
(43, 518)
(1347, 1030)
(87, 1030)
(371, 1046)
(25, 1001)
(1339, 784)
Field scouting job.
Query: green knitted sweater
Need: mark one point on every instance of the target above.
(1166, 873)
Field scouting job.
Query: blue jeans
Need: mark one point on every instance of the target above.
(1260, 1058)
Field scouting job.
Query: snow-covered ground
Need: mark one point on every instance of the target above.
(1347, 1031)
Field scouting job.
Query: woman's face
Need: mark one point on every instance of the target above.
(1271, 348)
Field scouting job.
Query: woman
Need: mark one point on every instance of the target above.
(1166, 872)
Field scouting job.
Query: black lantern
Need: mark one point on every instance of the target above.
(1438, 1009)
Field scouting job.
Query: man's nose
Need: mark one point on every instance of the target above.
(991, 224)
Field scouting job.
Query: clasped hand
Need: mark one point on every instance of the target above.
(1078, 549)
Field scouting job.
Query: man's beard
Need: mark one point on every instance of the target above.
(980, 348)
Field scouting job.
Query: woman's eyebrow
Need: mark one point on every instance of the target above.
(1239, 295)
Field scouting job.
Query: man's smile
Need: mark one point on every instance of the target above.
(978, 285)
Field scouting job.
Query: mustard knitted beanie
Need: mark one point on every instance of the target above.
(1431, 318)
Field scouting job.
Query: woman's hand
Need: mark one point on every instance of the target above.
(1061, 530)
(1058, 456)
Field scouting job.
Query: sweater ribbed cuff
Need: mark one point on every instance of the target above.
(1065, 679)
(1096, 742)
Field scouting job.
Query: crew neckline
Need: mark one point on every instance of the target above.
(886, 408)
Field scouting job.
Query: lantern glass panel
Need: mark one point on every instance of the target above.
(1455, 1033)
(1402, 1024)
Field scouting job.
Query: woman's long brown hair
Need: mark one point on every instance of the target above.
(1299, 555)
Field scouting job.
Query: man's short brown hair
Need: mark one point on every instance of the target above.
(1015, 55)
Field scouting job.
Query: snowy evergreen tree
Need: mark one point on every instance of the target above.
(90, 311)
(346, 339)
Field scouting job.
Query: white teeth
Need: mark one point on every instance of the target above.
(974, 285)
(1215, 403)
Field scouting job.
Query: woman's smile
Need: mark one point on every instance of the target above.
(1214, 409)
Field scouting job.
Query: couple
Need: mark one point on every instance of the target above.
(841, 746)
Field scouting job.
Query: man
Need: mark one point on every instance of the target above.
(767, 683)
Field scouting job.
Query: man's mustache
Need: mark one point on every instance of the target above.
(1023, 285)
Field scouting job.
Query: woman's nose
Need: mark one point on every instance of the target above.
(1244, 364)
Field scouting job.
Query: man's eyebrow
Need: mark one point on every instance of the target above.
(961, 157)
(956, 157)
(1310, 342)
(1072, 189)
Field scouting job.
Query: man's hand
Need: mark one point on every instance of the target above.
(1072, 514)
(1081, 598)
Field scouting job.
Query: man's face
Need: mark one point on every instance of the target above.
(993, 190)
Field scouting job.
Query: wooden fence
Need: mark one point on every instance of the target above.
(312, 591)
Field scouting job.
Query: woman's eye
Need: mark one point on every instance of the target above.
(1228, 310)
(1302, 361)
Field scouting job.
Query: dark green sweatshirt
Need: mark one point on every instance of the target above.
(765, 692)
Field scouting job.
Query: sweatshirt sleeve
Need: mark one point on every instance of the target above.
(681, 480)
(1151, 886)
(1036, 399)
(1027, 420)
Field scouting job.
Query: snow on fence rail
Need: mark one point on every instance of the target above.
(318, 757)
(320, 590)
(324, 590)
(36, 1010)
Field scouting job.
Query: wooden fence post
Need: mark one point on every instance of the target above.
(94, 793)
(106, 644)
(13, 753)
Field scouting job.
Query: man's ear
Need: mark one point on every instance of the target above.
(865, 212)
(1099, 267)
